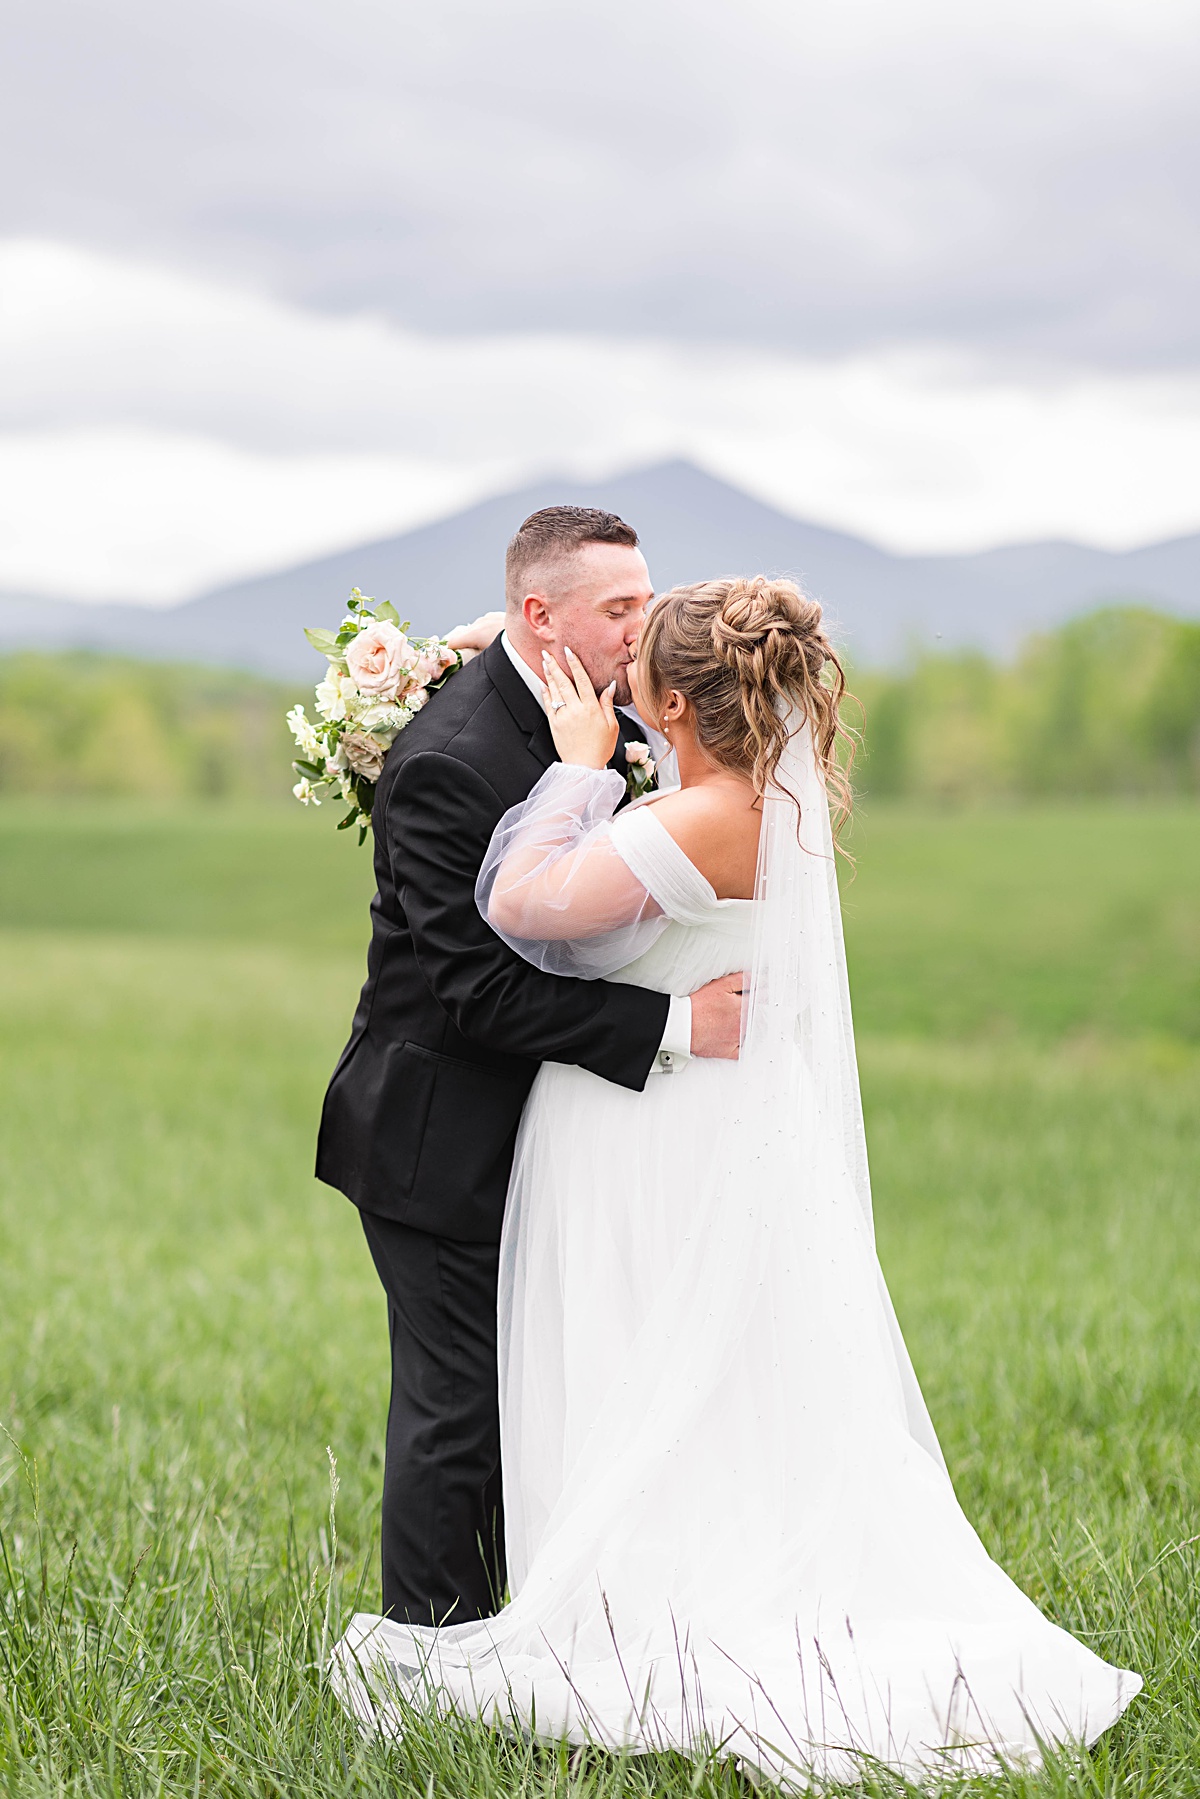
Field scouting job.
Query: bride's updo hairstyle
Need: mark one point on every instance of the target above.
(740, 651)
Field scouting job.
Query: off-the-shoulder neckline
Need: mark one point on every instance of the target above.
(645, 805)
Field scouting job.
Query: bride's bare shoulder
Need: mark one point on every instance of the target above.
(716, 827)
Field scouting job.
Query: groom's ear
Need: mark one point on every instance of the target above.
(537, 615)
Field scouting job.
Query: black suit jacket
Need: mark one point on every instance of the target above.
(421, 1115)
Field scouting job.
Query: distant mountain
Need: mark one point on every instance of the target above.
(692, 526)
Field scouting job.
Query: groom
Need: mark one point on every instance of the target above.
(421, 1115)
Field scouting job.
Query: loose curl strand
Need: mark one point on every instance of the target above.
(741, 652)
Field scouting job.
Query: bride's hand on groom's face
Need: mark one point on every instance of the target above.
(582, 723)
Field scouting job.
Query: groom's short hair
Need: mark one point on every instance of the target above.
(552, 534)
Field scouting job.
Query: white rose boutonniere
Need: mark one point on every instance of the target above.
(640, 765)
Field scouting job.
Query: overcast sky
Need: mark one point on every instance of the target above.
(277, 274)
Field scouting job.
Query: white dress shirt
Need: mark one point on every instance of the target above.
(676, 1045)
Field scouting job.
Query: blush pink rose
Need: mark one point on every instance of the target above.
(378, 660)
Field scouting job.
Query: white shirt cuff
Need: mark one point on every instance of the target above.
(676, 1046)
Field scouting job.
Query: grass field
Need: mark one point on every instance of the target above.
(188, 1322)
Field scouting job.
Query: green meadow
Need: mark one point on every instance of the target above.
(193, 1348)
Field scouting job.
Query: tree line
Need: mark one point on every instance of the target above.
(90, 725)
(1108, 704)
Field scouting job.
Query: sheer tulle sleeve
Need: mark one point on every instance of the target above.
(554, 886)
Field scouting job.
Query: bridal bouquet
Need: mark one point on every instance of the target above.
(378, 680)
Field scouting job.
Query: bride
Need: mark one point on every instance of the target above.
(729, 1524)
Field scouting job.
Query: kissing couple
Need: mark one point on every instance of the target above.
(599, 1111)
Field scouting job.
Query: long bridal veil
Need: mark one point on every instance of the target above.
(798, 1030)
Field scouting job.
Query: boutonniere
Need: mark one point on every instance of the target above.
(640, 765)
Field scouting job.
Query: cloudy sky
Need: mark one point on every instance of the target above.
(279, 274)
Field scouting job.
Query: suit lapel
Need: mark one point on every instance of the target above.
(625, 734)
(541, 743)
(526, 713)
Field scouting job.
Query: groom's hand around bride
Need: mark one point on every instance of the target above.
(717, 1018)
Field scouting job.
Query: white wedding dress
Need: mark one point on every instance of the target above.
(728, 1521)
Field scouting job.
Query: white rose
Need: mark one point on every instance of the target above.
(330, 703)
(638, 753)
(378, 660)
(384, 718)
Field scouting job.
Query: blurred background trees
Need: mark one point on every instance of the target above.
(104, 726)
(1107, 705)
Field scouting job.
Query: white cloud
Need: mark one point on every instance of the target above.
(126, 513)
(160, 433)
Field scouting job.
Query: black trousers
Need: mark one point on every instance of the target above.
(443, 1524)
